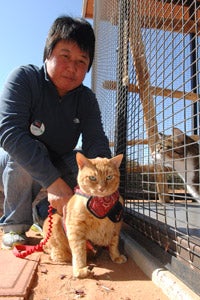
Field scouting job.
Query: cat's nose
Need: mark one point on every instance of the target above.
(101, 188)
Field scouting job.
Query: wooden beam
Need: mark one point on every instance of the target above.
(169, 24)
(87, 9)
(134, 142)
(156, 91)
(154, 14)
(147, 169)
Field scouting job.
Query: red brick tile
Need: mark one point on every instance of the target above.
(16, 274)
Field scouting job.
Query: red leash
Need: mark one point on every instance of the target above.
(22, 251)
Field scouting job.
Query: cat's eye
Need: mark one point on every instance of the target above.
(109, 177)
(92, 178)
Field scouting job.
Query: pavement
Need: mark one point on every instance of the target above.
(17, 274)
(171, 286)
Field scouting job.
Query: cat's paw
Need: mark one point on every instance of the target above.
(83, 272)
(120, 259)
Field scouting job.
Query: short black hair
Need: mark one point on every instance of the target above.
(76, 30)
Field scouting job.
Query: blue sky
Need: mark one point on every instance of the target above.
(24, 25)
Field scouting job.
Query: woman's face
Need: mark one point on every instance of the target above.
(67, 66)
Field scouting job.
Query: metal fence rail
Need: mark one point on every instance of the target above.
(147, 80)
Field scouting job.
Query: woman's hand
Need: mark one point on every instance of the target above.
(59, 194)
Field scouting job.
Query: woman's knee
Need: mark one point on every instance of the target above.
(15, 175)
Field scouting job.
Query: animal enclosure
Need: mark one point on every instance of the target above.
(147, 81)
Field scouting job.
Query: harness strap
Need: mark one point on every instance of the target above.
(101, 207)
(116, 212)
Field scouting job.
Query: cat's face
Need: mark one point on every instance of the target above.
(100, 176)
(170, 148)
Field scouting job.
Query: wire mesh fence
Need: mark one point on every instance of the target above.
(146, 77)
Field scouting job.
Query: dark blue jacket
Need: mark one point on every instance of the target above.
(31, 109)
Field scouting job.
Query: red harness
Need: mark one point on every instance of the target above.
(101, 207)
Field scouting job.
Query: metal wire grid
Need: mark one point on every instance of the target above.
(170, 40)
(104, 67)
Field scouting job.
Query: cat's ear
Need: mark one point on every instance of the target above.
(81, 160)
(116, 160)
(178, 134)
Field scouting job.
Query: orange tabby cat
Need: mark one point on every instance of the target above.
(92, 214)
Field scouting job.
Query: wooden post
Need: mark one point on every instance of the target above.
(143, 82)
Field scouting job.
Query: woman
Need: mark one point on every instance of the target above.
(43, 112)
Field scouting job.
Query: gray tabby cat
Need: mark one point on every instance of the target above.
(181, 153)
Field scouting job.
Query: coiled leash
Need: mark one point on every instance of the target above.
(22, 251)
